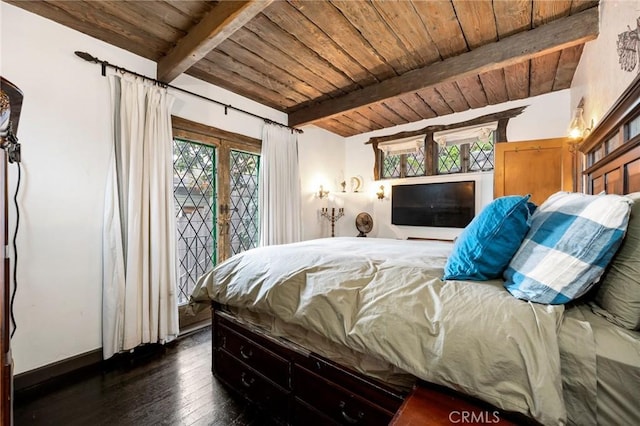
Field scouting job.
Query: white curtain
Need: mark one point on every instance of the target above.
(139, 247)
(408, 145)
(465, 134)
(279, 187)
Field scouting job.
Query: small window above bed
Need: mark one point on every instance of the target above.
(467, 149)
(441, 149)
(403, 157)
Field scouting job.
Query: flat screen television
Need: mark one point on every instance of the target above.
(445, 204)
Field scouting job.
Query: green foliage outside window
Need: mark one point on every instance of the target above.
(449, 160)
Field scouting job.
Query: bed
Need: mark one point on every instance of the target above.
(336, 331)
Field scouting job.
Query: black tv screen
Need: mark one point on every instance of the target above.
(446, 204)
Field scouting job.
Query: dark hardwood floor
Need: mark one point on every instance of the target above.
(156, 385)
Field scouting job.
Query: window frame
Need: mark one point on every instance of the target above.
(465, 156)
(431, 147)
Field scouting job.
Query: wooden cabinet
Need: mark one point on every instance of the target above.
(539, 167)
(293, 385)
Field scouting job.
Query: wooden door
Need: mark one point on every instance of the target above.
(538, 167)
(215, 192)
(237, 198)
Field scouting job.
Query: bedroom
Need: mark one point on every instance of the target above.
(64, 131)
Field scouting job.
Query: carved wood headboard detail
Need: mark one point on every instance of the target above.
(612, 149)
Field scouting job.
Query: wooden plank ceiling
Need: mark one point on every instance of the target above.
(350, 66)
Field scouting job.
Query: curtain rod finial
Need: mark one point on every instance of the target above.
(87, 57)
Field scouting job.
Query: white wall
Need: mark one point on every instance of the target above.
(599, 78)
(65, 135)
(205, 112)
(321, 155)
(546, 116)
(64, 132)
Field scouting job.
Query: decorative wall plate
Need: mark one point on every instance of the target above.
(356, 183)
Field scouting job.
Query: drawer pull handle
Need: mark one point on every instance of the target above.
(347, 417)
(246, 383)
(246, 354)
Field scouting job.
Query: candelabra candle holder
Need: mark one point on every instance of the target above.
(333, 218)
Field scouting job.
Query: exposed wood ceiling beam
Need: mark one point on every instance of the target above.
(554, 36)
(222, 21)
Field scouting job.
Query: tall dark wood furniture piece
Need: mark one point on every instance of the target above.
(612, 149)
(10, 107)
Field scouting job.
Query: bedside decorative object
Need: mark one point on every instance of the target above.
(333, 218)
(364, 224)
(343, 184)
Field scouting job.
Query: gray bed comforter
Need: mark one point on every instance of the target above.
(386, 298)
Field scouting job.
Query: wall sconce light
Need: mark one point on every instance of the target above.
(380, 193)
(578, 128)
(322, 193)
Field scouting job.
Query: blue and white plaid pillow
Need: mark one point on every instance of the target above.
(572, 239)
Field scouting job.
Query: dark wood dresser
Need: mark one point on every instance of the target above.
(295, 386)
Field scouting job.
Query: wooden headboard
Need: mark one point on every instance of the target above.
(612, 149)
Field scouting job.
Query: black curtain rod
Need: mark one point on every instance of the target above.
(89, 58)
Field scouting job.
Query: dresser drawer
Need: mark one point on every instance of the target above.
(263, 360)
(368, 389)
(306, 415)
(337, 402)
(252, 385)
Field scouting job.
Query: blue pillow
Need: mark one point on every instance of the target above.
(485, 247)
(572, 239)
